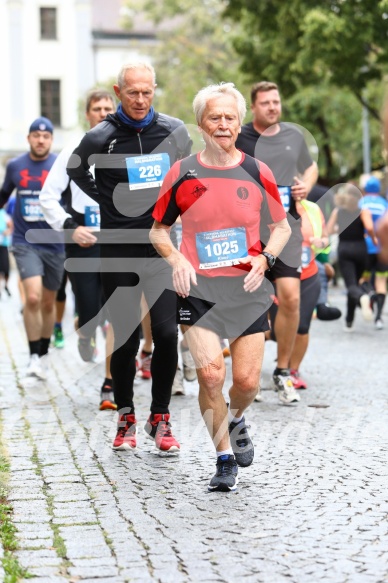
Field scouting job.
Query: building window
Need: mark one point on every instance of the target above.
(50, 100)
(48, 23)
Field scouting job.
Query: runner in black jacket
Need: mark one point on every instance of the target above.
(132, 151)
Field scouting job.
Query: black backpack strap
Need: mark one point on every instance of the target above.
(179, 133)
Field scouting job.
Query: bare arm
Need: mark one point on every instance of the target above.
(280, 233)
(367, 221)
(183, 273)
(332, 222)
(303, 185)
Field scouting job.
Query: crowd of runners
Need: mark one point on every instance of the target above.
(184, 259)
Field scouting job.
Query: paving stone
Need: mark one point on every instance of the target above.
(312, 507)
(45, 573)
(28, 543)
(93, 572)
(30, 560)
(97, 562)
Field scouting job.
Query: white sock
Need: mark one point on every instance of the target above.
(225, 452)
(233, 419)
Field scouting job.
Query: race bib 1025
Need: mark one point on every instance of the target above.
(222, 248)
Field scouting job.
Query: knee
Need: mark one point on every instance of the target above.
(125, 347)
(48, 305)
(246, 383)
(211, 379)
(33, 301)
(166, 336)
(290, 304)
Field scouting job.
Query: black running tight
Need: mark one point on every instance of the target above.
(123, 289)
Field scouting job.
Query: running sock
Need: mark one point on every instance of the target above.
(282, 371)
(107, 385)
(58, 325)
(44, 346)
(34, 346)
(380, 301)
(225, 452)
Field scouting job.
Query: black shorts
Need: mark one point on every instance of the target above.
(376, 266)
(221, 304)
(281, 269)
(289, 262)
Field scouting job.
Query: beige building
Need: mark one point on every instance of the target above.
(53, 52)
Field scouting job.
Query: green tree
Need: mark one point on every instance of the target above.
(196, 50)
(341, 42)
(334, 117)
(329, 59)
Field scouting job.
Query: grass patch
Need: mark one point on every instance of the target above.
(12, 570)
(58, 542)
(7, 529)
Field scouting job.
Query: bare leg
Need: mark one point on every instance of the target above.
(48, 312)
(32, 293)
(146, 326)
(21, 292)
(59, 311)
(381, 284)
(206, 350)
(247, 357)
(300, 349)
(287, 318)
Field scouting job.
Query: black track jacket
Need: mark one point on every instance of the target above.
(109, 146)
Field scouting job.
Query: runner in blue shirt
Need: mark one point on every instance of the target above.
(39, 255)
(377, 270)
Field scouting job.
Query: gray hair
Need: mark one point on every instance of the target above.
(134, 65)
(214, 91)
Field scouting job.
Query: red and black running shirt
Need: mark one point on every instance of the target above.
(215, 204)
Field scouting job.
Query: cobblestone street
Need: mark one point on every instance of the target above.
(312, 507)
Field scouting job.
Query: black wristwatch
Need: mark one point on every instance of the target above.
(270, 259)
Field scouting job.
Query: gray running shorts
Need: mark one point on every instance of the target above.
(32, 261)
(221, 304)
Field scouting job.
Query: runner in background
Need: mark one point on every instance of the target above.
(40, 265)
(133, 149)
(375, 277)
(283, 148)
(82, 215)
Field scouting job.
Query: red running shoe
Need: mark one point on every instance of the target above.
(145, 365)
(126, 433)
(297, 380)
(158, 428)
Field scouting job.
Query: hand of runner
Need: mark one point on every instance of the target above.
(183, 275)
(298, 190)
(255, 277)
(84, 237)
